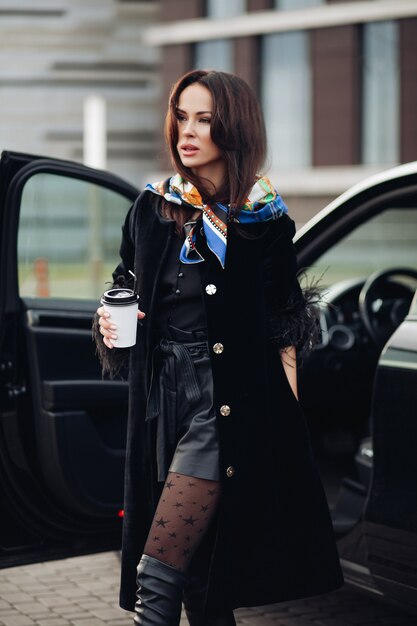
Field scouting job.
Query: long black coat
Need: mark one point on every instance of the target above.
(273, 540)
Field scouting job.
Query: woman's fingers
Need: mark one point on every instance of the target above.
(107, 328)
(108, 343)
(107, 325)
(141, 314)
(104, 319)
(109, 331)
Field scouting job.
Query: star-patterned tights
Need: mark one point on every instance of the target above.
(185, 510)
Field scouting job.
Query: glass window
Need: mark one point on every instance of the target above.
(221, 10)
(286, 98)
(218, 54)
(380, 105)
(69, 237)
(289, 5)
(214, 55)
(386, 240)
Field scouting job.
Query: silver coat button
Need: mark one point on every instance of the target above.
(225, 410)
(218, 348)
(211, 289)
(230, 471)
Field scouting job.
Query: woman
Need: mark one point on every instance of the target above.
(223, 503)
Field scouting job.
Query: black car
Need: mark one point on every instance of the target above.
(63, 426)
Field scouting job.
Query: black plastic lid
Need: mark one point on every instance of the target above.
(119, 297)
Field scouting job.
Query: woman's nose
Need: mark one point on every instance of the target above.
(189, 128)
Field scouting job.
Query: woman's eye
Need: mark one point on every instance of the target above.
(205, 120)
(180, 118)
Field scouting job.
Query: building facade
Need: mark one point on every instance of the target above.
(55, 55)
(337, 81)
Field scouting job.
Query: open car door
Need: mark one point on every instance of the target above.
(390, 525)
(62, 427)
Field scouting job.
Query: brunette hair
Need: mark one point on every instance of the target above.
(237, 128)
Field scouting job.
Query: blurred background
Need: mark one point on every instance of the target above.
(337, 81)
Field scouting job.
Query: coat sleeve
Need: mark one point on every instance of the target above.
(292, 312)
(114, 360)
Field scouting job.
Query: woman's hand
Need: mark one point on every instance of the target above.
(107, 328)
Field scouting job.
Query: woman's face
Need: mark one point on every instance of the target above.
(195, 145)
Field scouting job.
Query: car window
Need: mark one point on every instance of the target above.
(386, 240)
(69, 237)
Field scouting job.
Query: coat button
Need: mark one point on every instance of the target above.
(218, 348)
(211, 289)
(230, 471)
(225, 410)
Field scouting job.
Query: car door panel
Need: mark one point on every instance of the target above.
(80, 419)
(391, 511)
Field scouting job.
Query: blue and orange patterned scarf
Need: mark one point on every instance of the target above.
(263, 204)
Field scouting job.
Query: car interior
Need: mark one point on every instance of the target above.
(368, 281)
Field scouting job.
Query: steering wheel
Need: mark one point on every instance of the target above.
(382, 318)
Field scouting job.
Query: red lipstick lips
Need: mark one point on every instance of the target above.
(188, 147)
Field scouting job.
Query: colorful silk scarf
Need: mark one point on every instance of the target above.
(263, 204)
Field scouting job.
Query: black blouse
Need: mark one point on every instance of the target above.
(180, 301)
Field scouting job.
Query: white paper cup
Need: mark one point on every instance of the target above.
(122, 306)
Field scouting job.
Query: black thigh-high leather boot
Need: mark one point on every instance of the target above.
(159, 593)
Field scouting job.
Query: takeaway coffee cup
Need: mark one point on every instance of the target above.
(122, 306)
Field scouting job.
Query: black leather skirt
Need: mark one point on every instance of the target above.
(181, 399)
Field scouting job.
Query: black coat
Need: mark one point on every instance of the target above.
(273, 539)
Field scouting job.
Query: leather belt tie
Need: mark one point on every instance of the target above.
(189, 381)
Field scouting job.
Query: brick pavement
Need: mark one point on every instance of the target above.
(82, 591)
